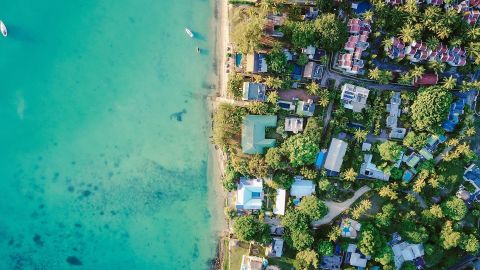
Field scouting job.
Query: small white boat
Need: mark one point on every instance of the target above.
(189, 32)
(3, 29)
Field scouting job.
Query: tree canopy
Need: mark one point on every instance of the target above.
(301, 150)
(430, 108)
(247, 228)
(312, 207)
(389, 150)
(454, 208)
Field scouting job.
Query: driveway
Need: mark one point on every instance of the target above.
(335, 209)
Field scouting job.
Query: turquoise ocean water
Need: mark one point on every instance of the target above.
(103, 137)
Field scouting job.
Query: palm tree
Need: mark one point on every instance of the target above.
(470, 131)
(257, 78)
(436, 66)
(417, 72)
(273, 83)
(385, 76)
(387, 43)
(349, 175)
(360, 135)
(374, 74)
(405, 79)
(473, 49)
(443, 32)
(368, 15)
(313, 88)
(473, 33)
(449, 83)
(432, 43)
(407, 34)
(324, 99)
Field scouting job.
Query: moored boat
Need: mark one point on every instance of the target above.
(3, 29)
(189, 32)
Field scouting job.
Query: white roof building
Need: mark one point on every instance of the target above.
(355, 258)
(301, 188)
(250, 194)
(394, 111)
(275, 249)
(335, 155)
(354, 97)
(294, 124)
(370, 170)
(406, 252)
(280, 199)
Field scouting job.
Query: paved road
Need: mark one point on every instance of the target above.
(335, 209)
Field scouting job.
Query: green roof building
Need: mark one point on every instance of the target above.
(253, 133)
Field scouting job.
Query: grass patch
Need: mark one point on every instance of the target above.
(284, 263)
(236, 254)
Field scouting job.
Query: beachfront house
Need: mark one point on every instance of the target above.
(354, 97)
(280, 199)
(249, 194)
(354, 257)
(370, 170)
(252, 263)
(336, 153)
(301, 188)
(253, 133)
(275, 249)
(294, 124)
(405, 251)
(256, 63)
(254, 91)
(305, 108)
(350, 228)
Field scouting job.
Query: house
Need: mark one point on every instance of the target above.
(349, 228)
(275, 249)
(280, 199)
(456, 110)
(256, 63)
(253, 133)
(354, 97)
(425, 154)
(418, 51)
(472, 175)
(294, 124)
(394, 2)
(397, 49)
(366, 146)
(254, 91)
(306, 108)
(397, 133)
(370, 170)
(394, 111)
(335, 155)
(404, 251)
(412, 160)
(313, 71)
(354, 257)
(301, 188)
(357, 42)
(249, 194)
(471, 16)
(309, 51)
(252, 263)
(425, 80)
(333, 262)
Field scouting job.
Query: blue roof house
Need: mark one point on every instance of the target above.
(456, 109)
(254, 91)
(472, 175)
(249, 194)
(253, 133)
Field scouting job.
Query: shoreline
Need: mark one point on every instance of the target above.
(216, 156)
